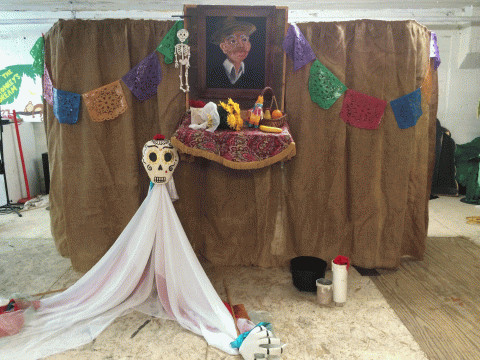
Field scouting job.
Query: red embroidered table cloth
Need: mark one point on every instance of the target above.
(245, 149)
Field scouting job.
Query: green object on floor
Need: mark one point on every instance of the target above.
(467, 161)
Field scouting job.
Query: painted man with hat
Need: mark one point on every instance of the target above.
(233, 38)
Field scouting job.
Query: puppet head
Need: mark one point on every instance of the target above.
(160, 159)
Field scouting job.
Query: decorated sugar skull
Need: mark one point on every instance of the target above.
(160, 159)
(182, 35)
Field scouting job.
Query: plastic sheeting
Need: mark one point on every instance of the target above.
(151, 268)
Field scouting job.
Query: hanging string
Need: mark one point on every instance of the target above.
(74, 13)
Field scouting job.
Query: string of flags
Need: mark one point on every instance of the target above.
(297, 47)
(324, 87)
(108, 102)
(38, 54)
(144, 78)
(359, 110)
(105, 103)
(362, 111)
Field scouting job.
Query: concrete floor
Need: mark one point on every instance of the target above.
(447, 218)
(365, 328)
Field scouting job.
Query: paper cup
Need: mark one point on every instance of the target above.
(324, 291)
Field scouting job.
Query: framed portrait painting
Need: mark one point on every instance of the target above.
(236, 51)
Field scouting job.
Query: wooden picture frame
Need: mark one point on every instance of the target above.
(264, 65)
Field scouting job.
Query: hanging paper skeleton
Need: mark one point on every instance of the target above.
(150, 268)
(182, 58)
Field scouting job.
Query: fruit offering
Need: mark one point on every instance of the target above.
(267, 115)
(270, 129)
(276, 114)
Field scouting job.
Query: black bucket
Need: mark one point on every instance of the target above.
(305, 272)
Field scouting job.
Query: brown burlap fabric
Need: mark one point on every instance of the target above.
(359, 193)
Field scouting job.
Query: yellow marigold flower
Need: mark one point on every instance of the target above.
(223, 105)
(237, 108)
(229, 109)
(232, 122)
(239, 122)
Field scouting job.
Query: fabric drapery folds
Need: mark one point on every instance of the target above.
(167, 45)
(407, 109)
(324, 87)
(333, 223)
(144, 78)
(38, 54)
(297, 47)
(362, 111)
(66, 106)
(47, 86)
(106, 103)
(427, 86)
(151, 268)
(434, 52)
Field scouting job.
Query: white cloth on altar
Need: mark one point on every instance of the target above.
(151, 268)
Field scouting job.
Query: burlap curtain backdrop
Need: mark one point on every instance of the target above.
(359, 193)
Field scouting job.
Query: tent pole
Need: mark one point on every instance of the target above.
(21, 157)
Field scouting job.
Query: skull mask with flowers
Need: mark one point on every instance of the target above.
(160, 159)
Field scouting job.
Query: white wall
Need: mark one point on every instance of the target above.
(15, 44)
(459, 89)
(13, 165)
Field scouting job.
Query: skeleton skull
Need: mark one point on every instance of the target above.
(160, 159)
(182, 35)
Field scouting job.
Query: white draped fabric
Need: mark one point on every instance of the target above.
(151, 268)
